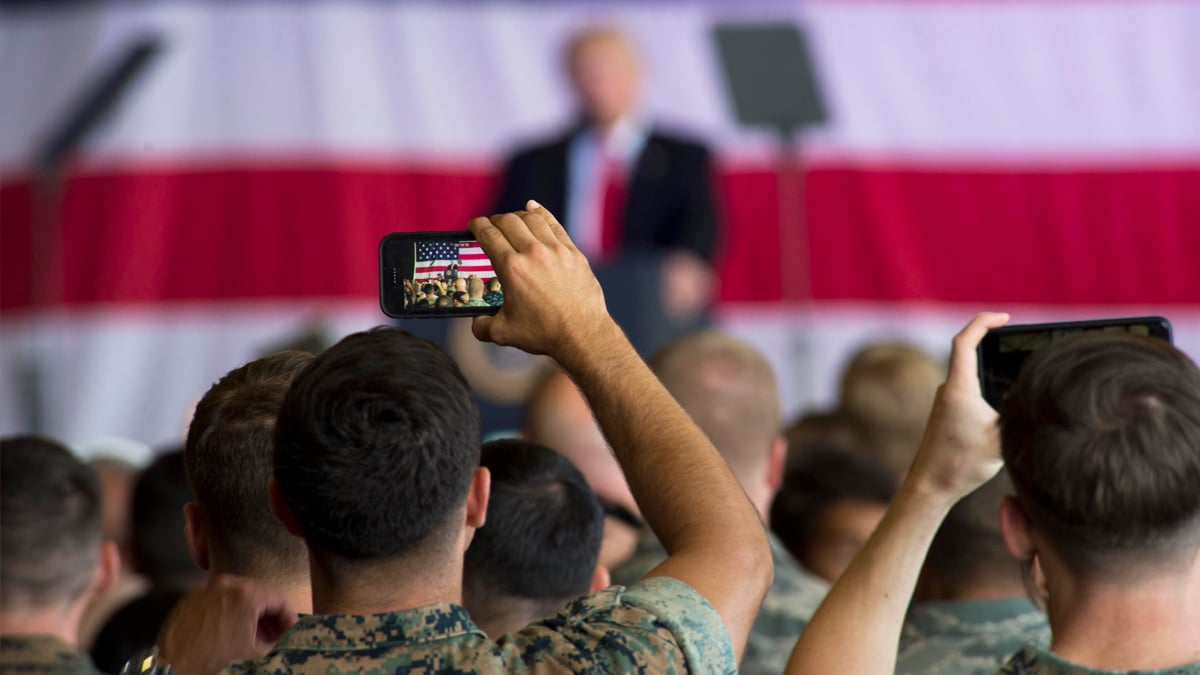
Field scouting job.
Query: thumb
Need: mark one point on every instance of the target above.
(481, 326)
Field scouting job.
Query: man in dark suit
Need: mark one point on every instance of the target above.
(638, 201)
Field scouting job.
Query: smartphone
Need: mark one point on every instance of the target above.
(436, 274)
(1003, 350)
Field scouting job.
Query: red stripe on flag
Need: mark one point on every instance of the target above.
(1068, 236)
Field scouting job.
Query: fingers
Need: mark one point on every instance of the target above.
(483, 328)
(964, 363)
(555, 227)
(516, 230)
(490, 238)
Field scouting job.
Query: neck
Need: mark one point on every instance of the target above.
(502, 615)
(1147, 624)
(57, 622)
(390, 585)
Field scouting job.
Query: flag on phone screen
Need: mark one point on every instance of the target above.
(433, 258)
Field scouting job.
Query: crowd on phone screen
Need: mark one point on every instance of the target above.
(617, 531)
(454, 291)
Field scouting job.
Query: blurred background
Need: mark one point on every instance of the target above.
(185, 185)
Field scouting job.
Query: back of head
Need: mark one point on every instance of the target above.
(1101, 437)
(825, 478)
(230, 459)
(375, 447)
(816, 429)
(887, 391)
(968, 558)
(542, 536)
(160, 549)
(50, 529)
(475, 286)
(729, 390)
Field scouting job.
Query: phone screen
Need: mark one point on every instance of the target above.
(436, 274)
(1004, 350)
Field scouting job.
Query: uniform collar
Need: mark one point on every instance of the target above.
(42, 651)
(352, 631)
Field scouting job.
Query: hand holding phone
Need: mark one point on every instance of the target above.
(554, 300)
(1003, 350)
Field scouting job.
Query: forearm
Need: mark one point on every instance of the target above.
(687, 494)
(857, 628)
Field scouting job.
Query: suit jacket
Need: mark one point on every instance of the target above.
(670, 202)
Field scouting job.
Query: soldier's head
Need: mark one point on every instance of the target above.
(1101, 437)
(830, 502)
(54, 557)
(230, 460)
(377, 458)
(967, 558)
(540, 546)
(729, 390)
(887, 392)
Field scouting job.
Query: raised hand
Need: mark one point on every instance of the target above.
(551, 297)
(961, 447)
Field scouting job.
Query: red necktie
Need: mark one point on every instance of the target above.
(612, 215)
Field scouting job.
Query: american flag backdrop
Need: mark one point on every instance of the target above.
(433, 258)
(1035, 156)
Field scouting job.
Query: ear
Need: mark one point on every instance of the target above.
(776, 462)
(280, 508)
(600, 578)
(195, 529)
(1014, 524)
(108, 569)
(477, 497)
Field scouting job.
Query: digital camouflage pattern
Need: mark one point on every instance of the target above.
(39, 654)
(967, 638)
(661, 625)
(788, 606)
(1035, 660)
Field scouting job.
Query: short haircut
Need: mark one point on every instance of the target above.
(230, 459)
(729, 390)
(543, 532)
(887, 391)
(1101, 436)
(159, 545)
(493, 284)
(376, 446)
(475, 286)
(969, 545)
(820, 478)
(50, 531)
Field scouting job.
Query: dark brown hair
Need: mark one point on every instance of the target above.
(1101, 437)
(229, 457)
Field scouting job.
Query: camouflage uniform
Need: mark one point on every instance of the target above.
(661, 625)
(969, 637)
(42, 654)
(1034, 660)
(790, 602)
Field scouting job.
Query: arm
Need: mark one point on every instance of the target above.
(857, 627)
(554, 305)
(229, 619)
